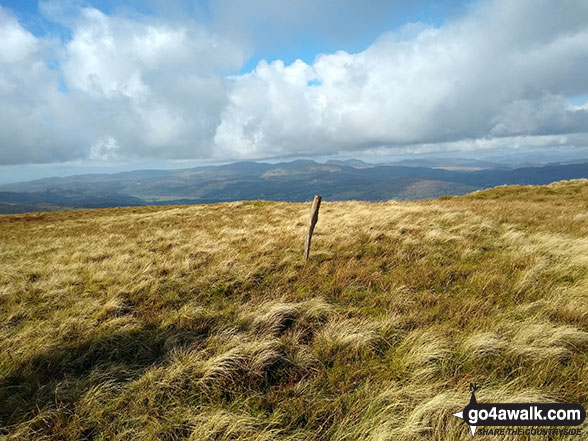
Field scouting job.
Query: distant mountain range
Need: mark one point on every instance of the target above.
(286, 181)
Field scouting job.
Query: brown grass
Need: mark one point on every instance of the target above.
(203, 323)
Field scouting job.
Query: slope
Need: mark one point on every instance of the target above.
(203, 323)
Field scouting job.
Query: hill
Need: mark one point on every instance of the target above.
(286, 181)
(203, 323)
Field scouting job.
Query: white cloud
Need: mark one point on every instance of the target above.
(504, 70)
(156, 88)
(105, 149)
(147, 87)
(31, 110)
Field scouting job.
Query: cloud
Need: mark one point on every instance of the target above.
(270, 24)
(162, 83)
(503, 70)
(153, 89)
(124, 86)
(30, 107)
(105, 149)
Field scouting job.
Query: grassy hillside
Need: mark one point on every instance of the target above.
(203, 323)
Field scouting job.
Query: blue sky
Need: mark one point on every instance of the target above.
(98, 85)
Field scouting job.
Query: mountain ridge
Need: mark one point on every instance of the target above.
(294, 181)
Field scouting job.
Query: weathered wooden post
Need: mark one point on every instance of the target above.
(316, 203)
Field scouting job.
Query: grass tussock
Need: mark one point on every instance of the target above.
(203, 323)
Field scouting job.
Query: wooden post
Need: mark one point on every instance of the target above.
(316, 203)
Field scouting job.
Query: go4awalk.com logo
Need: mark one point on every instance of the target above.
(522, 418)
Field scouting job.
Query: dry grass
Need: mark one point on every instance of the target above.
(203, 323)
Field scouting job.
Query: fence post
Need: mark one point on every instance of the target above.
(316, 203)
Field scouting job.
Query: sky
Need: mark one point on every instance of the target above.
(111, 85)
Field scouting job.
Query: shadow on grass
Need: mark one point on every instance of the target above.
(61, 375)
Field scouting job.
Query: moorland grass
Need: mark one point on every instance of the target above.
(202, 322)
